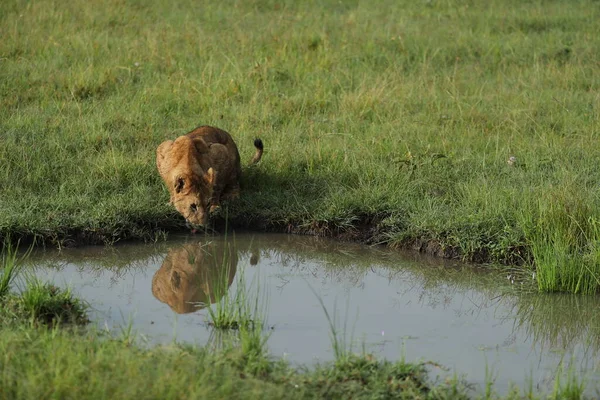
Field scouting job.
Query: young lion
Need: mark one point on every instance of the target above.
(199, 169)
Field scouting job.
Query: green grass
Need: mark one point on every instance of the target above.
(242, 310)
(48, 304)
(10, 266)
(43, 303)
(37, 302)
(565, 236)
(390, 122)
(573, 388)
(56, 363)
(242, 307)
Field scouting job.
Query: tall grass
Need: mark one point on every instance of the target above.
(564, 234)
(242, 307)
(559, 321)
(244, 311)
(572, 389)
(567, 385)
(9, 268)
(62, 364)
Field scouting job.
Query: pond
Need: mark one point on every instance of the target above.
(472, 320)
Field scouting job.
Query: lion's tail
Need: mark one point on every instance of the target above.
(259, 151)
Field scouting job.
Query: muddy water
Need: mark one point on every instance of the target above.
(394, 305)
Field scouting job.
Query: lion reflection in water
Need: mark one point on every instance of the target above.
(194, 275)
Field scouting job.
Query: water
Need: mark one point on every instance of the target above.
(392, 304)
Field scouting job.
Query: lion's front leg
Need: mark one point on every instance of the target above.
(232, 192)
(215, 201)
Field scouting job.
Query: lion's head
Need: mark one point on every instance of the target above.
(190, 187)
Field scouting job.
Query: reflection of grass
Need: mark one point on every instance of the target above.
(559, 321)
(117, 260)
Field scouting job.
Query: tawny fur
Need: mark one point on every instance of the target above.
(201, 168)
(189, 278)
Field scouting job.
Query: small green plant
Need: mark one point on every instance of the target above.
(48, 304)
(341, 348)
(363, 376)
(10, 266)
(248, 347)
(489, 382)
(229, 311)
(573, 387)
(128, 335)
(242, 308)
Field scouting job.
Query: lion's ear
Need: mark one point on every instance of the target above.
(201, 145)
(179, 184)
(175, 281)
(209, 177)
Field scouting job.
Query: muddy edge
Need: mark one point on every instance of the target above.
(365, 231)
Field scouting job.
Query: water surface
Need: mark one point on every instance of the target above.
(395, 305)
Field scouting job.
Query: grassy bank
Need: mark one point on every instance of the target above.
(390, 122)
(58, 364)
(62, 365)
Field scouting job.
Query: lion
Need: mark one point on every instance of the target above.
(195, 275)
(200, 169)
